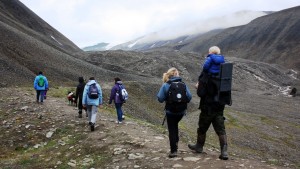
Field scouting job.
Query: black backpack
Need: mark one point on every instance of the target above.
(177, 99)
(93, 91)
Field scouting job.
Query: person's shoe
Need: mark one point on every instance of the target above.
(172, 155)
(79, 115)
(118, 122)
(123, 117)
(224, 154)
(196, 147)
(90, 123)
(223, 145)
(93, 127)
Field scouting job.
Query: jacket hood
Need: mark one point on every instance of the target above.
(80, 79)
(119, 82)
(175, 79)
(91, 82)
(217, 59)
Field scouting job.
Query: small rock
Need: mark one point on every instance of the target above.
(193, 159)
(118, 151)
(72, 164)
(25, 108)
(135, 156)
(177, 166)
(159, 138)
(49, 134)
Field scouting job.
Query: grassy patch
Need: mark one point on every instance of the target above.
(60, 92)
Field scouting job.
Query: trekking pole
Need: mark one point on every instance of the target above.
(164, 120)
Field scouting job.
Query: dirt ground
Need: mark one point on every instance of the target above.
(52, 136)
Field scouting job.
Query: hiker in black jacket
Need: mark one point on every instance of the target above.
(79, 93)
(212, 112)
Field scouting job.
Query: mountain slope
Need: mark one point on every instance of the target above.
(29, 45)
(273, 38)
(181, 33)
(97, 47)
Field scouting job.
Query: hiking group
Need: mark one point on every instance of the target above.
(213, 88)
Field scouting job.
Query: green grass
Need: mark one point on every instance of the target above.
(60, 92)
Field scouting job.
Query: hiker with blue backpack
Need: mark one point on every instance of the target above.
(119, 95)
(40, 84)
(91, 100)
(176, 95)
(212, 110)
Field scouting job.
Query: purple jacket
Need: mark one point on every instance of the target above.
(114, 95)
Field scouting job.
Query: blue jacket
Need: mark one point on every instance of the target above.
(36, 80)
(114, 93)
(212, 63)
(163, 91)
(85, 98)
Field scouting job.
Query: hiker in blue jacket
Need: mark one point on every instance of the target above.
(92, 100)
(114, 96)
(40, 84)
(174, 113)
(212, 112)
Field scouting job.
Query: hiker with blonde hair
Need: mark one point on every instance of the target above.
(176, 95)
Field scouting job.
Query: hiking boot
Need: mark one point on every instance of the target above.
(93, 127)
(198, 147)
(172, 155)
(223, 145)
(90, 123)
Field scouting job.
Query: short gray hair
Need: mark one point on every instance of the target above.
(215, 50)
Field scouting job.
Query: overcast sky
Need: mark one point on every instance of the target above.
(88, 22)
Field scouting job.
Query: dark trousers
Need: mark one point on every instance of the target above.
(210, 117)
(119, 111)
(80, 105)
(173, 121)
(40, 95)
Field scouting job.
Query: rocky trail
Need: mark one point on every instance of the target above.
(52, 136)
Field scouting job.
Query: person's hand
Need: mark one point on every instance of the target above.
(196, 85)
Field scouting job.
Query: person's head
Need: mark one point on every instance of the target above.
(80, 79)
(92, 78)
(117, 79)
(172, 72)
(40, 72)
(214, 50)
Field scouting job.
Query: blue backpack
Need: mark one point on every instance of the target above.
(93, 91)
